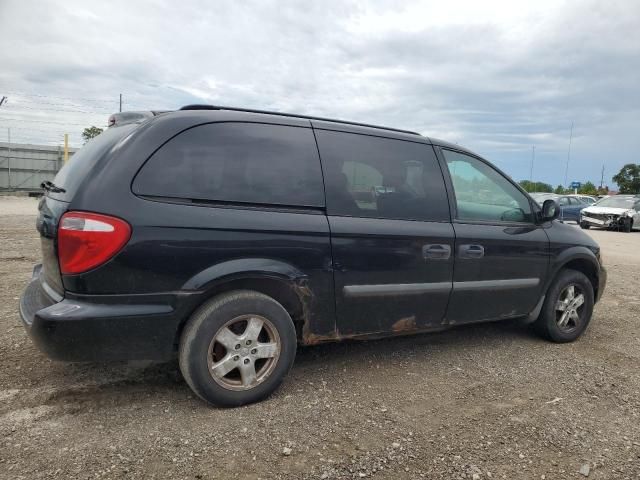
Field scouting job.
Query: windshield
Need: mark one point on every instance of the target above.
(617, 202)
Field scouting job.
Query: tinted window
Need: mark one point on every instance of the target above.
(484, 194)
(382, 178)
(73, 173)
(237, 162)
(563, 201)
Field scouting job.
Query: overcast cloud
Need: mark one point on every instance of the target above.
(496, 77)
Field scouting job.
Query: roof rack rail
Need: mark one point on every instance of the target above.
(295, 115)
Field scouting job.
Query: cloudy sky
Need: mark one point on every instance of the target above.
(498, 77)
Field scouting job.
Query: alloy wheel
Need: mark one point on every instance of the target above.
(244, 352)
(569, 308)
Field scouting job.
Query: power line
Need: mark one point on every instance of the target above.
(102, 100)
(39, 109)
(46, 130)
(47, 121)
(55, 104)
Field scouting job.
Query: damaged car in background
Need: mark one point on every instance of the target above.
(620, 212)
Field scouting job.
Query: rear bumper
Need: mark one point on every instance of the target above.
(103, 327)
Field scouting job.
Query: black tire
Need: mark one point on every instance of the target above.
(585, 226)
(197, 339)
(547, 323)
(627, 226)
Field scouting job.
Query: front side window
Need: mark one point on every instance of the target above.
(484, 194)
(237, 162)
(367, 176)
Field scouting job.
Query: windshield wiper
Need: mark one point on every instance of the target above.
(51, 187)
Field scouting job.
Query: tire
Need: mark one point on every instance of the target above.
(584, 226)
(628, 225)
(220, 321)
(549, 322)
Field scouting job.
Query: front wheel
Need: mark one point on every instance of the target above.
(568, 307)
(237, 348)
(585, 225)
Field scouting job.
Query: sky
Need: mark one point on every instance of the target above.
(498, 77)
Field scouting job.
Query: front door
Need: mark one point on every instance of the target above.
(391, 237)
(501, 254)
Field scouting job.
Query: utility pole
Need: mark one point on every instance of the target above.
(66, 147)
(9, 158)
(533, 156)
(3, 100)
(602, 176)
(566, 170)
(121, 102)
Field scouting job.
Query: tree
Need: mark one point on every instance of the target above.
(559, 190)
(628, 178)
(588, 189)
(90, 133)
(535, 186)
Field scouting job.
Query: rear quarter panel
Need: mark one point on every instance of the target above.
(173, 244)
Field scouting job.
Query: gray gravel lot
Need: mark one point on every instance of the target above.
(486, 401)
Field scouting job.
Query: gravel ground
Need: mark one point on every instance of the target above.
(487, 401)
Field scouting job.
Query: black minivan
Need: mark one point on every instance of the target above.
(230, 236)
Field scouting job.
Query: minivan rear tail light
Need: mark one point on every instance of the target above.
(87, 240)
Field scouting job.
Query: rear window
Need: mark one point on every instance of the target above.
(237, 162)
(73, 173)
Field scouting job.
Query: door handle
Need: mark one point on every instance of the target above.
(436, 251)
(471, 251)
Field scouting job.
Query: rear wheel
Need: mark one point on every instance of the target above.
(568, 307)
(584, 225)
(237, 348)
(627, 225)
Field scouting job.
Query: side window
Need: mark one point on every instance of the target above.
(563, 201)
(574, 201)
(368, 176)
(237, 162)
(484, 194)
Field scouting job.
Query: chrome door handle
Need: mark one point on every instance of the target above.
(471, 251)
(436, 251)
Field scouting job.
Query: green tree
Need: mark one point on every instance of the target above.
(588, 189)
(90, 133)
(535, 186)
(559, 190)
(628, 178)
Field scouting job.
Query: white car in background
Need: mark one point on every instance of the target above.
(588, 199)
(619, 212)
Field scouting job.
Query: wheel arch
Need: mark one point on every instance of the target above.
(281, 281)
(581, 259)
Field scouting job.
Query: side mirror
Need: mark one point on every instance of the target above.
(550, 210)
